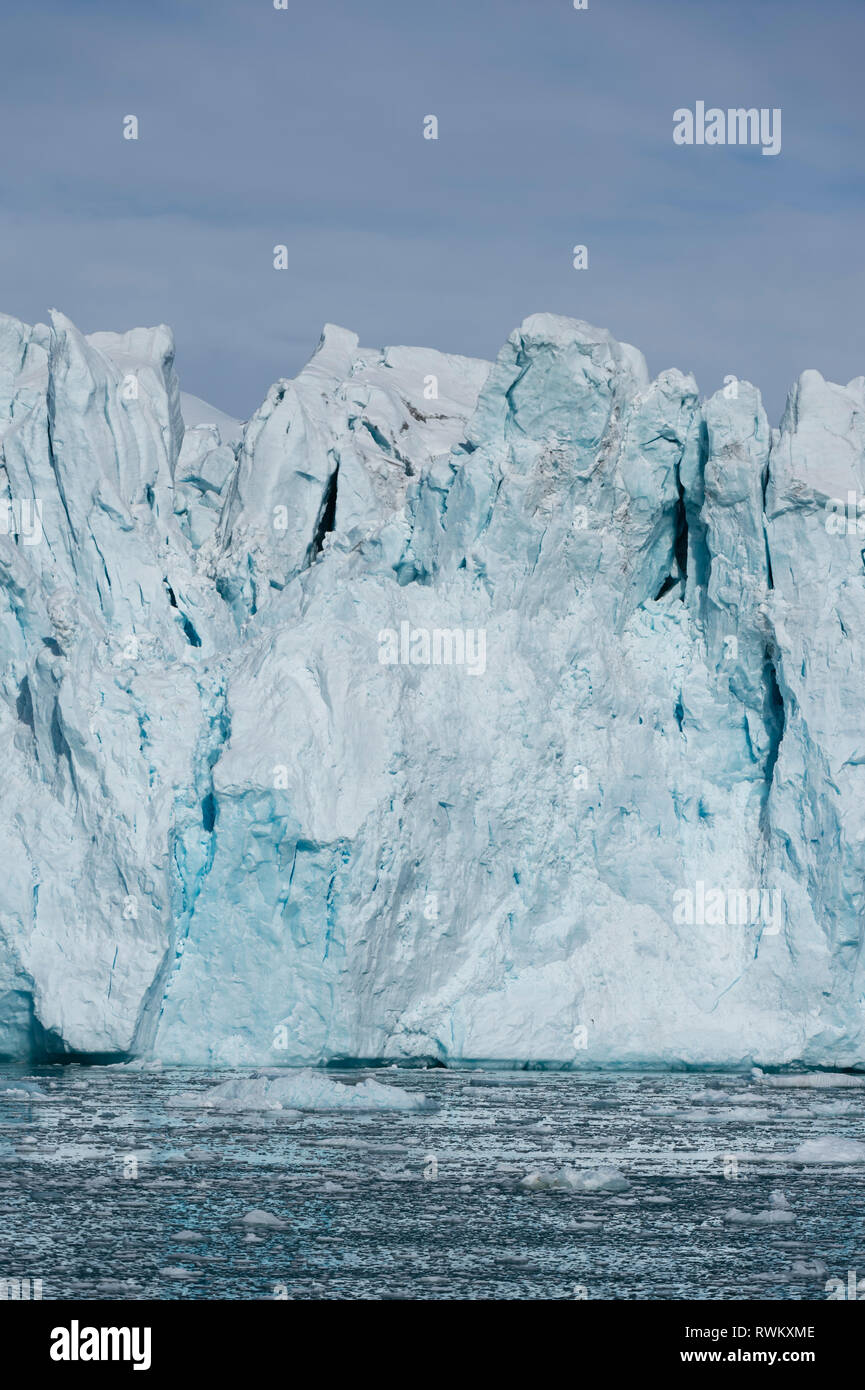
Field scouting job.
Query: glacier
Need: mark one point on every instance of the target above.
(445, 710)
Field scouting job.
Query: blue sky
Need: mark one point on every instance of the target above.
(304, 127)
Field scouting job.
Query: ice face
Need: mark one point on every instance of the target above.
(445, 710)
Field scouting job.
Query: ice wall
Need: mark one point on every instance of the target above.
(445, 710)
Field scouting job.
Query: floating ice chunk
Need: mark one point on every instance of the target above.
(829, 1149)
(809, 1269)
(188, 1236)
(835, 1107)
(776, 1216)
(257, 1217)
(814, 1080)
(569, 1180)
(299, 1090)
(23, 1090)
(715, 1096)
(748, 1114)
(507, 1079)
(136, 1064)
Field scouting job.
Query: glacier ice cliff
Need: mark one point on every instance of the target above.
(445, 710)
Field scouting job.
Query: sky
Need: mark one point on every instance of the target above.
(304, 126)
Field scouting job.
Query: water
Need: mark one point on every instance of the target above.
(99, 1178)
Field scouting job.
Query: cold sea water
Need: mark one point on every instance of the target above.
(508, 1185)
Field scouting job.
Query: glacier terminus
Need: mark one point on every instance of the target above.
(445, 710)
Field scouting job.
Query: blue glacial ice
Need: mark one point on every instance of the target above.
(445, 710)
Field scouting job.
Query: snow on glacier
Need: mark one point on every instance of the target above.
(233, 833)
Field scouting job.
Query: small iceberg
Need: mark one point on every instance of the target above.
(812, 1080)
(829, 1149)
(263, 1218)
(569, 1180)
(778, 1214)
(299, 1090)
(23, 1090)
